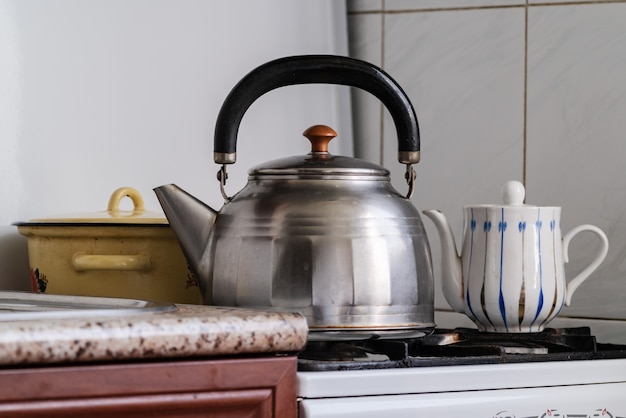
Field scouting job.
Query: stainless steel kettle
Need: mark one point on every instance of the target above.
(327, 236)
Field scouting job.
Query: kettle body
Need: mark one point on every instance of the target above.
(353, 258)
(327, 236)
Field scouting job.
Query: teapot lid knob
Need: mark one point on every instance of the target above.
(513, 193)
(320, 136)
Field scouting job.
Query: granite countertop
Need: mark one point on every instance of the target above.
(189, 330)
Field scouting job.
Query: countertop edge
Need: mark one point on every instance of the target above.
(190, 331)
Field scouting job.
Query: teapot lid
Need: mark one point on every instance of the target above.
(513, 193)
(319, 163)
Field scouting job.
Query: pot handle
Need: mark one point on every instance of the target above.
(313, 69)
(87, 262)
(116, 197)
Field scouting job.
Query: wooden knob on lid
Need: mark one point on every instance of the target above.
(320, 136)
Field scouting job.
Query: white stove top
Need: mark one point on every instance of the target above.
(579, 389)
(568, 387)
(330, 384)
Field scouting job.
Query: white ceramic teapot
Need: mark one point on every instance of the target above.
(510, 275)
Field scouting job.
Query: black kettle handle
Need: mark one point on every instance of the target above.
(311, 69)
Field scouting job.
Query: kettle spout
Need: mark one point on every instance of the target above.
(451, 270)
(192, 222)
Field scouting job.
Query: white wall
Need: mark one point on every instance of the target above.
(509, 90)
(98, 94)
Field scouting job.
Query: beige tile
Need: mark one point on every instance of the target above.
(365, 39)
(464, 72)
(364, 5)
(576, 147)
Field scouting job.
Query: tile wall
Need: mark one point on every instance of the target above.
(533, 91)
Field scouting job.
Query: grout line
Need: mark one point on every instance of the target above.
(453, 9)
(381, 133)
(576, 3)
(434, 9)
(502, 6)
(525, 117)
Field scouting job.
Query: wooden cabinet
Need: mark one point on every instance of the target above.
(232, 387)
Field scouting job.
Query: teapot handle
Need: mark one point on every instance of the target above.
(312, 69)
(573, 284)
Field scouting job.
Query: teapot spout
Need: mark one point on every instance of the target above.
(451, 270)
(192, 222)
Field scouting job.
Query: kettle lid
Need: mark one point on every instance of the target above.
(319, 163)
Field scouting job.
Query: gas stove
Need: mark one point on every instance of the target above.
(461, 346)
(562, 372)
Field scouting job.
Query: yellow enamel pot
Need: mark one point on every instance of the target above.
(116, 253)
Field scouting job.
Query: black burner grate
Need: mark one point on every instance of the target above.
(460, 346)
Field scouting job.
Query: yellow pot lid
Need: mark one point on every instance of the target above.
(112, 216)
